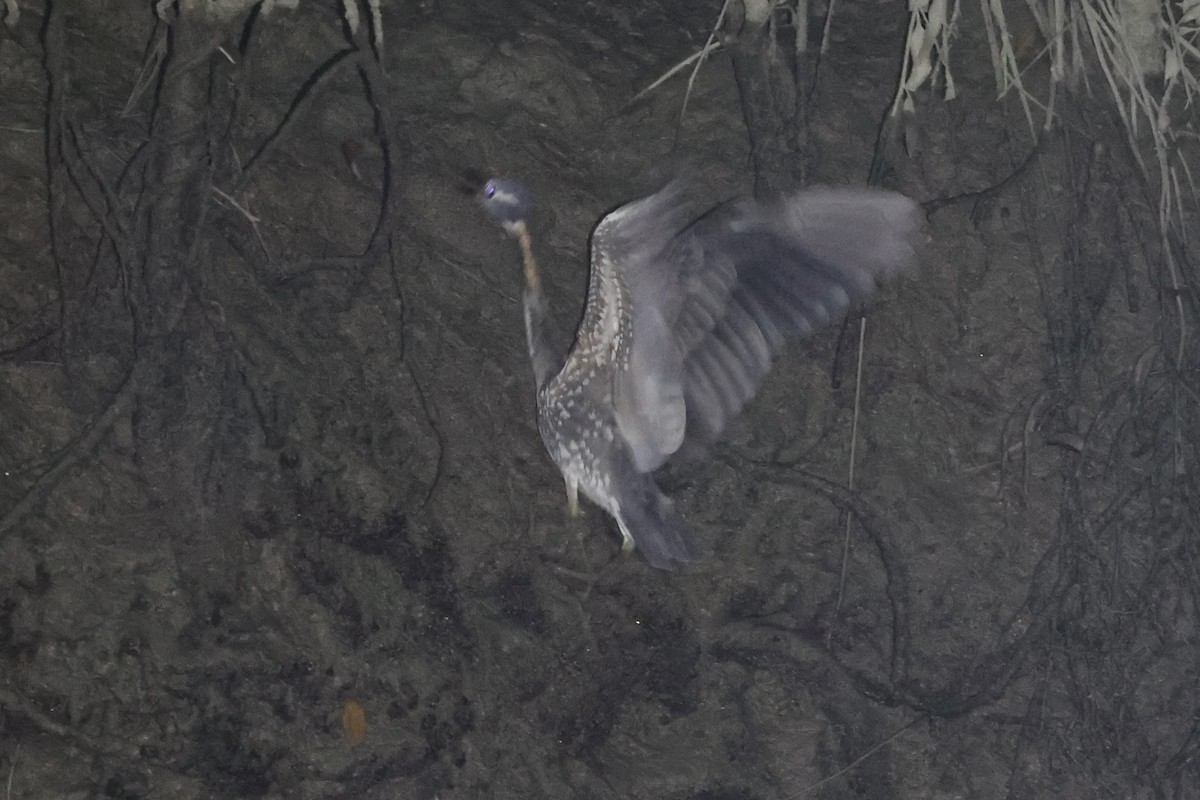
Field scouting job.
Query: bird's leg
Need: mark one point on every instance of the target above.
(627, 545)
(572, 497)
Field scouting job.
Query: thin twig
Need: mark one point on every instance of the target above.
(243, 210)
(12, 770)
(870, 752)
(324, 74)
(80, 447)
(151, 67)
(712, 39)
(18, 705)
(702, 53)
(837, 608)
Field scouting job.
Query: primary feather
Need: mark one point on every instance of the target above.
(715, 300)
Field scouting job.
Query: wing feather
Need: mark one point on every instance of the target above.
(714, 301)
(648, 397)
(707, 362)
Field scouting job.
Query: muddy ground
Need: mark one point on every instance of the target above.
(277, 522)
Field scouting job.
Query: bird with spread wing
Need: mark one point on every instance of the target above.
(682, 321)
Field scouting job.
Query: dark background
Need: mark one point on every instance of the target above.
(269, 466)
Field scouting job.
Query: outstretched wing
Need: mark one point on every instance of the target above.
(754, 275)
(712, 304)
(638, 304)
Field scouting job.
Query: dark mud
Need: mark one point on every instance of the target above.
(267, 448)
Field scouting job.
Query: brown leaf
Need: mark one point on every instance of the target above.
(354, 721)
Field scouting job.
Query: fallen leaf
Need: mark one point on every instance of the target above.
(354, 721)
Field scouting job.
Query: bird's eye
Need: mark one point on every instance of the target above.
(489, 191)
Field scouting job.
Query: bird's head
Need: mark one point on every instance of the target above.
(505, 201)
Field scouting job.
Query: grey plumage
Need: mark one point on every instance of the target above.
(682, 321)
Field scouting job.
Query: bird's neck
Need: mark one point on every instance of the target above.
(543, 353)
(533, 279)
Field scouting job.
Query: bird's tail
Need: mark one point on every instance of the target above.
(648, 517)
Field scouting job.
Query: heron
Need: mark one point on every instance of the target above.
(683, 318)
